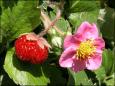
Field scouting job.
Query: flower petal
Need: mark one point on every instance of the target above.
(99, 43)
(94, 62)
(72, 40)
(78, 65)
(88, 31)
(66, 59)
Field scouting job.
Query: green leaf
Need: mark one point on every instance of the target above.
(108, 61)
(56, 77)
(1, 8)
(106, 23)
(24, 73)
(23, 18)
(79, 78)
(77, 18)
(100, 74)
(0, 36)
(61, 24)
(57, 41)
(4, 79)
(110, 81)
(32, 12)
(73, 6)
(8, 3)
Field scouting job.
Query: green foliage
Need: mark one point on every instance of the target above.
(27, 74)
(4, 79)
(0, 8)
(63, 25)
(8, 3)
(22, 18)
(73, 6)
(77, 18)
(80, 11)
(100, 75)
(79, 79)
(32, 74)
(110, 80)
(105, 73)
(106, 23)
(108, 61)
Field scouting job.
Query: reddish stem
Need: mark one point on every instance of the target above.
(51, 24)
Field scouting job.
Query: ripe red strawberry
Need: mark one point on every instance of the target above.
(31, 48)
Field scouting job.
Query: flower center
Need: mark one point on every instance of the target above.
(86, 49)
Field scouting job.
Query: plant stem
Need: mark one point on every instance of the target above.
(49, 22)
(46, 18)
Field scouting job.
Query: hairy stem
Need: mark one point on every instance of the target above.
(51, 24)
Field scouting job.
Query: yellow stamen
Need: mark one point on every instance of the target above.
(86, 49)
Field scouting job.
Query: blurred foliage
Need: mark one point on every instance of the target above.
(108, 61)
(106, 21)
(73, 6)
(19, 16)
(79, 79)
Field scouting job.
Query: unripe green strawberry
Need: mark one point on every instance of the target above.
(31, 48)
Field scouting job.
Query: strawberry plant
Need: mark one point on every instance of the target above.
(57, 42)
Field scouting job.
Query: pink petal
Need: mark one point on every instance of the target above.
(66, 59)
(78, 65)
(99, 43)
(94, 62)
(99, 51)
(88, 31)
(72, 40)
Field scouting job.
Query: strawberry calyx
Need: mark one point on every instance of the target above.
(40, 40)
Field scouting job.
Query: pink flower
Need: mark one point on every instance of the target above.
(83, 50)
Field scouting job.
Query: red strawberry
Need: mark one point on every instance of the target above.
(31, 48)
